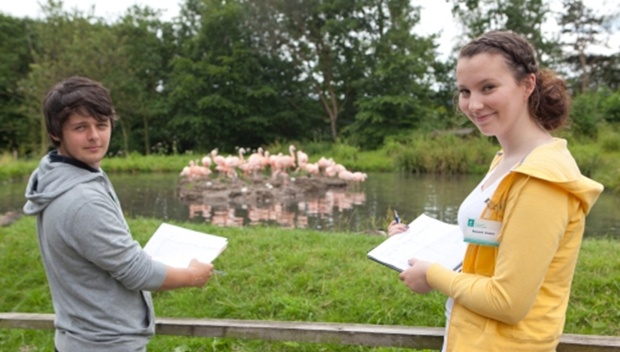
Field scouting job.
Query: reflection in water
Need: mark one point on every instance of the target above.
(287, 214)
(157, 196)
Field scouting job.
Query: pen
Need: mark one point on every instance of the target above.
(396, 217)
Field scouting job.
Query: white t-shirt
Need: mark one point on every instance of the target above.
(471, 208)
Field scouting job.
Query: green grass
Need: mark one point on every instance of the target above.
(291, 275)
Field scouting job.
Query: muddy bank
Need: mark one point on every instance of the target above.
(221, 191)
(9, 217)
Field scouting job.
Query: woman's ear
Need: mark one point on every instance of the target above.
(529, 84)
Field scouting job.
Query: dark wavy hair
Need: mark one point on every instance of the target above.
(549, 103)
(79, 95)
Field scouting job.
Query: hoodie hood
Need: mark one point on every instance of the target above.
(54, 176)
(553, 162)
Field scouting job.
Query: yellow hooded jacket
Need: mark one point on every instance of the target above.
(513, 297)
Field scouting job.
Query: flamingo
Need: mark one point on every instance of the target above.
(283, 163)
(220, 162)
(325, 163)
(206, 161)
(288, 161)
(256, 162)
(302, 160)
(334, 169)
(312, 168)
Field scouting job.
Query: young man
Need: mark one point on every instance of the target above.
(99, 276)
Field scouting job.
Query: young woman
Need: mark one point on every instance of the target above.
(525, 220)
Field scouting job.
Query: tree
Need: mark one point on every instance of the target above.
(351, 52)
(15, 58)
(139, 88)
(68, 44)
(583, 28)
(525, 17)
(224, 90)
(324, 39)
(393, 94)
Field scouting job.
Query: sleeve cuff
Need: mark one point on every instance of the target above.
(440, 278)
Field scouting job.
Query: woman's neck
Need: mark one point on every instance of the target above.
(518, 145)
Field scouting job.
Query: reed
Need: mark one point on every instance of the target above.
(439, 153)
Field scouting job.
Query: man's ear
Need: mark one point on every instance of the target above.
(54, 138)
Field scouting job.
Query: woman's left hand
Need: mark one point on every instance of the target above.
(415, 276)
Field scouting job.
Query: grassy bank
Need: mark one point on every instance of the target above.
(417, 153)
(292, 275)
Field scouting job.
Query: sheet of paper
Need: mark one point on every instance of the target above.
(426, 239)
(177, 246)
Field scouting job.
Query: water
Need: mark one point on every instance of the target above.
(363, 208)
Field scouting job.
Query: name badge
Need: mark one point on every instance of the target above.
(484, 232)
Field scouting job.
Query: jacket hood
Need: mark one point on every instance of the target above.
(553, 162)
(54, 176)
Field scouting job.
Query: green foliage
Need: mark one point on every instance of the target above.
(12, 168)
(587, 157)
(14, 63)
(134, 163)
(584, 28)
(225, 91)
(443, 153)
(609, 140)
(585, 115)
(392, 96)
(521, 16)
(250, 73)
(611, 107)
(138, 99)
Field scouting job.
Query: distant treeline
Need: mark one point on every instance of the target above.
(254, 72)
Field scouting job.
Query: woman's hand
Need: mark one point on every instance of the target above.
(395, 228)
(415, 276)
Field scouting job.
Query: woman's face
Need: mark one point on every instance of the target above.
(490, 96)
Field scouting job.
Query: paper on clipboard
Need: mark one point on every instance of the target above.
(426, 239)
(177, 246)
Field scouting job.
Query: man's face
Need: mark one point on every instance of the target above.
(85, 139)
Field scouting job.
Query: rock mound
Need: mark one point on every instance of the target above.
(221, 191)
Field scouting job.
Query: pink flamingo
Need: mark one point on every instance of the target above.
(325, 163)
(220, 162)
(206, 161)
(302, 160)
(256, 161)
(232, 162)
(334, 169)
(284, 162)
(312, 168)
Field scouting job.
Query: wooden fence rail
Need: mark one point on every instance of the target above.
(334, 333)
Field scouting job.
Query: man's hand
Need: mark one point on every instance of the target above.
(200, 273)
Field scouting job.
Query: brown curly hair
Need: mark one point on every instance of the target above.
(549, 103)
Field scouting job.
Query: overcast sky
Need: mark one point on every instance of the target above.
(435, 18)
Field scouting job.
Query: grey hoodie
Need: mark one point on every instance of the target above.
(98, 275)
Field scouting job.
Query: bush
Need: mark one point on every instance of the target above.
(444, 154)
(586, 114)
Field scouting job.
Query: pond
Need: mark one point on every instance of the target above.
(364, 207)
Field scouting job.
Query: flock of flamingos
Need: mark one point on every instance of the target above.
(261, 164)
